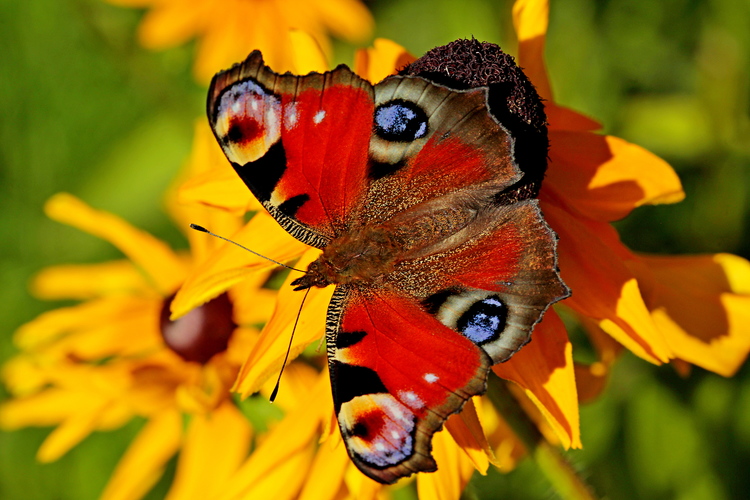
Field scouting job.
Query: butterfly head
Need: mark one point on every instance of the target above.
(362, 254)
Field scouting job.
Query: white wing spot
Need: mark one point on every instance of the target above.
(290, 115)
(319, 116)
(411, 400)
(395, 434)
(379, 446)
(431, 377)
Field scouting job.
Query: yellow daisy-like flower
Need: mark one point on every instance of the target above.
(228, 29)
(661, 308)
(117, 355)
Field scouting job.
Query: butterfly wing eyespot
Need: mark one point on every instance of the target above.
(400, 121)
(439, 273)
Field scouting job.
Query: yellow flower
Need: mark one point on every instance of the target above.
(116, 355)
(227, 30)
(661, 308)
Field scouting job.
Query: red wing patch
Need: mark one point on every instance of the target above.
(494, 287)
(397, 374)
(325, 135)
(300, 143)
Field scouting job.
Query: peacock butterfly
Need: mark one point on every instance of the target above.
(420, 190)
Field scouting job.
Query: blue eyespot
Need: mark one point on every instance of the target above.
(484, 320)
(400, 121)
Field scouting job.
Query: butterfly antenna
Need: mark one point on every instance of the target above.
(289, 348)
(204, 230)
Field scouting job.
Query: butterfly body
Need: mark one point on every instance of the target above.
(411, 191)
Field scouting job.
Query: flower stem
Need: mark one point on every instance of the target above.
(551, 462)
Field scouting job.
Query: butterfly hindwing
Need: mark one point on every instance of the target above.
(443, 317)
(494, 285)
(396, 374)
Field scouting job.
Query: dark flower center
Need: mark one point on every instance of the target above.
(512, 100)
(201, 333)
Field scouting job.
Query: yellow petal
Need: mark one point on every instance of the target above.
(231, 264)
(592, 263)
(78, 410)
(88, 281)
(23, 375)
(145, 459)
(155, 383)
(508, 449)
(326, 478)
(207, 174)
(253, 303)
(216, 443)
(271, 37)
(306, 53)
(72, 430)
(562, 118)
(278, 467)
(348, 19)
(453, 474)
(132, 335)
(47, 408)
(591, 379)
(172, 23)
(605, 178)
(219, 49)
(295, 383)
(154, 257)
(207, 182)
(283, 481)
(94, 315)
(330, 428)
(468, 434)
(544, 369)
(385, 58)
(219, 188)
(362, 487)
(702, 304)
(269, 353)
(530, 18)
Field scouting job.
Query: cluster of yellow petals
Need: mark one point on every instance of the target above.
(97, 365)
(694, 309)
(646, 304)
(660, 308)
(228, 30)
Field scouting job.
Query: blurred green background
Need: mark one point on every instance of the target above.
(85, 109)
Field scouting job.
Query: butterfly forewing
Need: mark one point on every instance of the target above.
(298, 142)
(450, 145)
